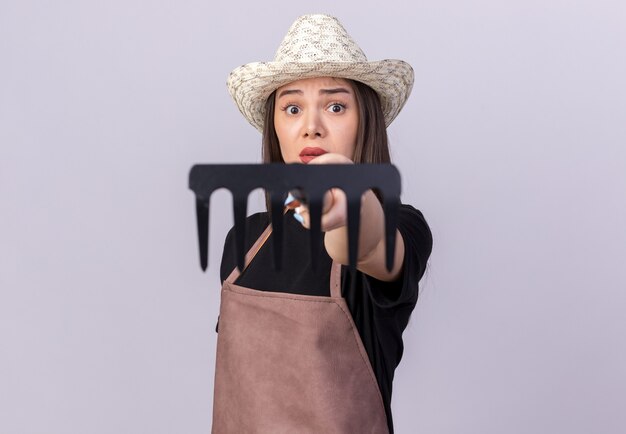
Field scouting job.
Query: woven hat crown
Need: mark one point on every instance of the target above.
(318, 38)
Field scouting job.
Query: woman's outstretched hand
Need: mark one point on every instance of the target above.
(371, 252)
(334, 214)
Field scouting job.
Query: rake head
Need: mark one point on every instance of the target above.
(312, 181)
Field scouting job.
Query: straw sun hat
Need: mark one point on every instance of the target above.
(318, 46)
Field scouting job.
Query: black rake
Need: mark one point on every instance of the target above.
(312, 181)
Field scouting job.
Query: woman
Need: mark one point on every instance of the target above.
(302, 350)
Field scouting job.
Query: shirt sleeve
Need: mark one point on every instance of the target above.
(418, 243)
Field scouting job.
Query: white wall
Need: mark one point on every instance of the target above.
(512, 144)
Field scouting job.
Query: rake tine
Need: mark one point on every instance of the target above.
(391, 205)
(240, 202)
(315, 213)
(277, 228)
(354, 215)
(202, 219)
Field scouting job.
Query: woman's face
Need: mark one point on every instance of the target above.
(315, 116)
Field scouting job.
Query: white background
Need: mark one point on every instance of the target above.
(512, 145)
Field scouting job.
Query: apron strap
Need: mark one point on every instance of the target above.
(335, 280)
(335, 270)
(251, 253)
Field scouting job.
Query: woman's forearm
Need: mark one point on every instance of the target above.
(371, 250)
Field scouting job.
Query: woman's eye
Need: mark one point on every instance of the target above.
(336, 108)
(292, 109)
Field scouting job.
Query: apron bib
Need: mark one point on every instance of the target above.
(291, 363)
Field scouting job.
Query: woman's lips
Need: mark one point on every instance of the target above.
(308, 154)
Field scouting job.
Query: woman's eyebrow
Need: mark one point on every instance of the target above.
(333, 91)
(290, 92)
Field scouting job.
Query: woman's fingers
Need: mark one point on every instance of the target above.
(334, 213)
(331, 158)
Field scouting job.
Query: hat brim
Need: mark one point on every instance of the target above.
(250, 85)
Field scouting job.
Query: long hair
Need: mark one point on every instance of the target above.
(371, 142)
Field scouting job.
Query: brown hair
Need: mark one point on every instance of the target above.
(371, 143)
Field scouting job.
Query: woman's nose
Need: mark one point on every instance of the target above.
(314, 126)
